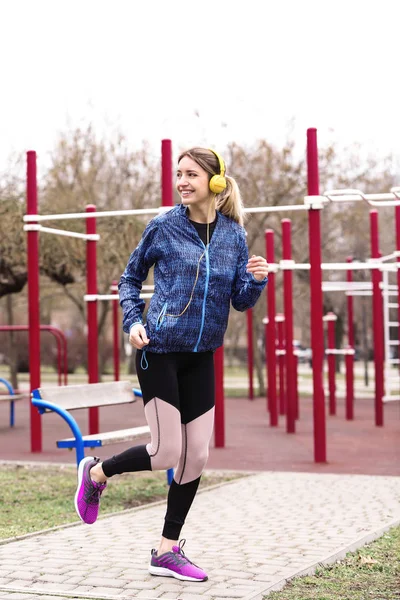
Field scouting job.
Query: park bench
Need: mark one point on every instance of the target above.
(11, 397)
(64, 399)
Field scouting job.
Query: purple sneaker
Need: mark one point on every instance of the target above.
(176, 564)
(88, 492)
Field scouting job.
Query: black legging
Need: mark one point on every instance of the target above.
(178, 396)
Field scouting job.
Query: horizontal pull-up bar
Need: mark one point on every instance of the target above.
(149, 211)
(278, 208)
(289, 265)
(391, 198)
(346, 285)
(97, 214)
(340, 351)
(359, 293)
(83, 236)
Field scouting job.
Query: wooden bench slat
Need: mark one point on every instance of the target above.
(15, 397)
(111, 437)
(89, 395)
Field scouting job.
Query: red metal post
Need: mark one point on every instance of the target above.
(377, 318)
(167, 195)
(280, 319)
(33, 300)
(219, 429)
(250, 357)
(296, 386)
(350, 357)
(115, 309)
(349, 360)
(317, 330)
(288, 305)
(92, 335)
(270, 333)
(331, 319)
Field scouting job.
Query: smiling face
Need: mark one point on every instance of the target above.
(192, 183)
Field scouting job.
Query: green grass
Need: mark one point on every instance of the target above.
(36, 498)
(371, 573)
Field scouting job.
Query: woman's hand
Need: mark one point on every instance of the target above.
(138, 337)
(258, 266)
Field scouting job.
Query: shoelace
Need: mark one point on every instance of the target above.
(181, 552)
(92, 493)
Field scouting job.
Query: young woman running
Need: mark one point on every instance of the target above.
(201, 265)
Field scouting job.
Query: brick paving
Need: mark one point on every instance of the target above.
(250, 535)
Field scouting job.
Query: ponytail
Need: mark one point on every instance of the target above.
(229, 202)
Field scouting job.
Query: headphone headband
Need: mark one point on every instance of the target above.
(220, 161)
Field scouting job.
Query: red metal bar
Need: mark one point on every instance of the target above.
(349, 386)
(280, 319)
(296, 386)
(350, 357)
(93, 343)
(115, 308)
(64, 351)
(250, 356)
(219, 429)
(60, 335)
(61, 346)
(270, 333)
(331, 318)
(397, 219)
(33, 301)
(167, 196)
(377, 318)
(317, 330)
(288, 307)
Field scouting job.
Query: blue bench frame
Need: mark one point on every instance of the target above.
(78, 443)
(11, 392)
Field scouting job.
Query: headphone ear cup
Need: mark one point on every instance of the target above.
(217, 184)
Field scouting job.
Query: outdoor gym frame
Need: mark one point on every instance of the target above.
(313, 203)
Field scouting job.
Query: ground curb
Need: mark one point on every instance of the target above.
(71, 594)
(327, 560)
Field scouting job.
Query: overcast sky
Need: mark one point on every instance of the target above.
(205, 72)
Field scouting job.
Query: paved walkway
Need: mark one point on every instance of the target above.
(250, 535)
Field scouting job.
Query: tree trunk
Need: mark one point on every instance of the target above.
(339, 335)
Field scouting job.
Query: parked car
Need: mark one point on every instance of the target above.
(303, 353)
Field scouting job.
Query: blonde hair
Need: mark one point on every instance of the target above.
(229, 201)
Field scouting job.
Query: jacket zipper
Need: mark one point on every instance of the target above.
(204, 301)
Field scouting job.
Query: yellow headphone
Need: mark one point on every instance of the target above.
(218, 182)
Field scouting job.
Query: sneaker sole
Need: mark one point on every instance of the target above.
(162, 572)
(81, 467)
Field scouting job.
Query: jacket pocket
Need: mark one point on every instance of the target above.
(161, 316)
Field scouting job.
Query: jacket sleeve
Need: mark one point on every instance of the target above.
(136, 271)
(246, 289)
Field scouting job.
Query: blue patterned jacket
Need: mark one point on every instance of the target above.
(171, 243)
